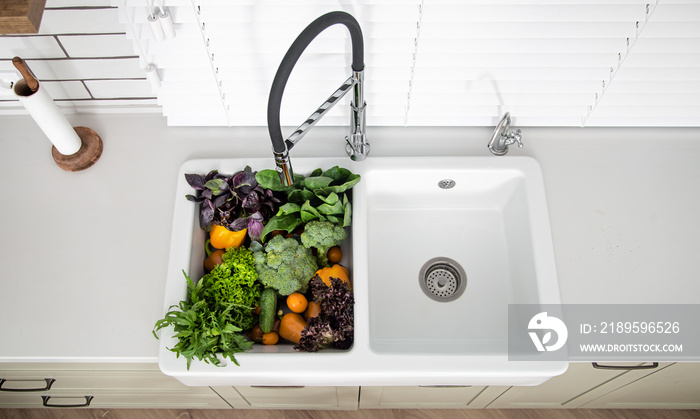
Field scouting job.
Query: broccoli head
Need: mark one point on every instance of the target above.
(322, 235)
(285, 265)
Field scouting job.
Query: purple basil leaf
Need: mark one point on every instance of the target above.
(245, 181)
(194, 180)
(194, 198)
(207, 193)
(238, 224)
(225, 186)
(255, 229)
(271, 196)
(211, 175)
(219, 201)
(239, 179)
(251, 202)
(206, 215)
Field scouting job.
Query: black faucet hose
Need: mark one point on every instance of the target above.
(290, 59)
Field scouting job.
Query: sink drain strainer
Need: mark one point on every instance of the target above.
(442, 279)
(447, 184)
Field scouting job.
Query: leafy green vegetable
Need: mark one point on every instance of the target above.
(322, 235)
(218, 307)
(284, 264)
(323, 195)
(234, 281)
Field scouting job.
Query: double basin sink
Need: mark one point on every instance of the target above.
(440, 246)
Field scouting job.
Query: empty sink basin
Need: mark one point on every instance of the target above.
(451, 243)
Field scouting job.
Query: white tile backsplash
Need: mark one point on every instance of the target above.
(107, 89)
(30, 47)
(95, 46)
(66, 90)
(64, 21)
(83, 69)
(82, 57)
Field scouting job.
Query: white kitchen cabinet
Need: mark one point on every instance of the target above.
(290, 397)
(99, 385)
(580, 384)
(424, 397)
(675, 386)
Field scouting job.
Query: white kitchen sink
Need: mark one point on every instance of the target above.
(452, 242)
(493, 223)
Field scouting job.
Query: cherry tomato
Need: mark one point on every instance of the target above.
(297, 302)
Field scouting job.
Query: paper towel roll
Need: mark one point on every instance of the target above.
(49, 118)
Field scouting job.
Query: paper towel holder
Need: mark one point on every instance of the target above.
(90, 149)
(89, 152)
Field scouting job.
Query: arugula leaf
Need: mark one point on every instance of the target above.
(218, 308)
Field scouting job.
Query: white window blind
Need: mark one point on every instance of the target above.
(432, 62)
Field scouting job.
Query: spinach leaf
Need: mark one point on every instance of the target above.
(317, 182)
(286, 222)
(323, 195)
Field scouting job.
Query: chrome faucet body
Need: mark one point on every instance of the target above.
(501, 138)
(356, 143)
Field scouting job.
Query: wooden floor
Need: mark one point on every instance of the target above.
(360, 414)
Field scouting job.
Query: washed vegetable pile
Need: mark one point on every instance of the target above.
(273, 265)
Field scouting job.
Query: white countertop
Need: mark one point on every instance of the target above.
(83, 256)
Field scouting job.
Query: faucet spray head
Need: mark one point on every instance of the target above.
(357, 146)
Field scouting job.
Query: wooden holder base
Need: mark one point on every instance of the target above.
(89, 152)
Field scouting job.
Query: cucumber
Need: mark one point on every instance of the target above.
(268, 309)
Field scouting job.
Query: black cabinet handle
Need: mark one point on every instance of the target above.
(45, 401)
(49, 383)
(626, 367)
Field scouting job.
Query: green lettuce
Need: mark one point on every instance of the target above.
(218, 308)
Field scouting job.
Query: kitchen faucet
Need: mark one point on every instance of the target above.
(501, 138)
(356, 144)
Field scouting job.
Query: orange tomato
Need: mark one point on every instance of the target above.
(334, 254)
(222, 238)
(297, 302)
(213, 260)
(335, 271)
(270, 338)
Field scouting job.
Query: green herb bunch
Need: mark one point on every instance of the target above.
(217, 309)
